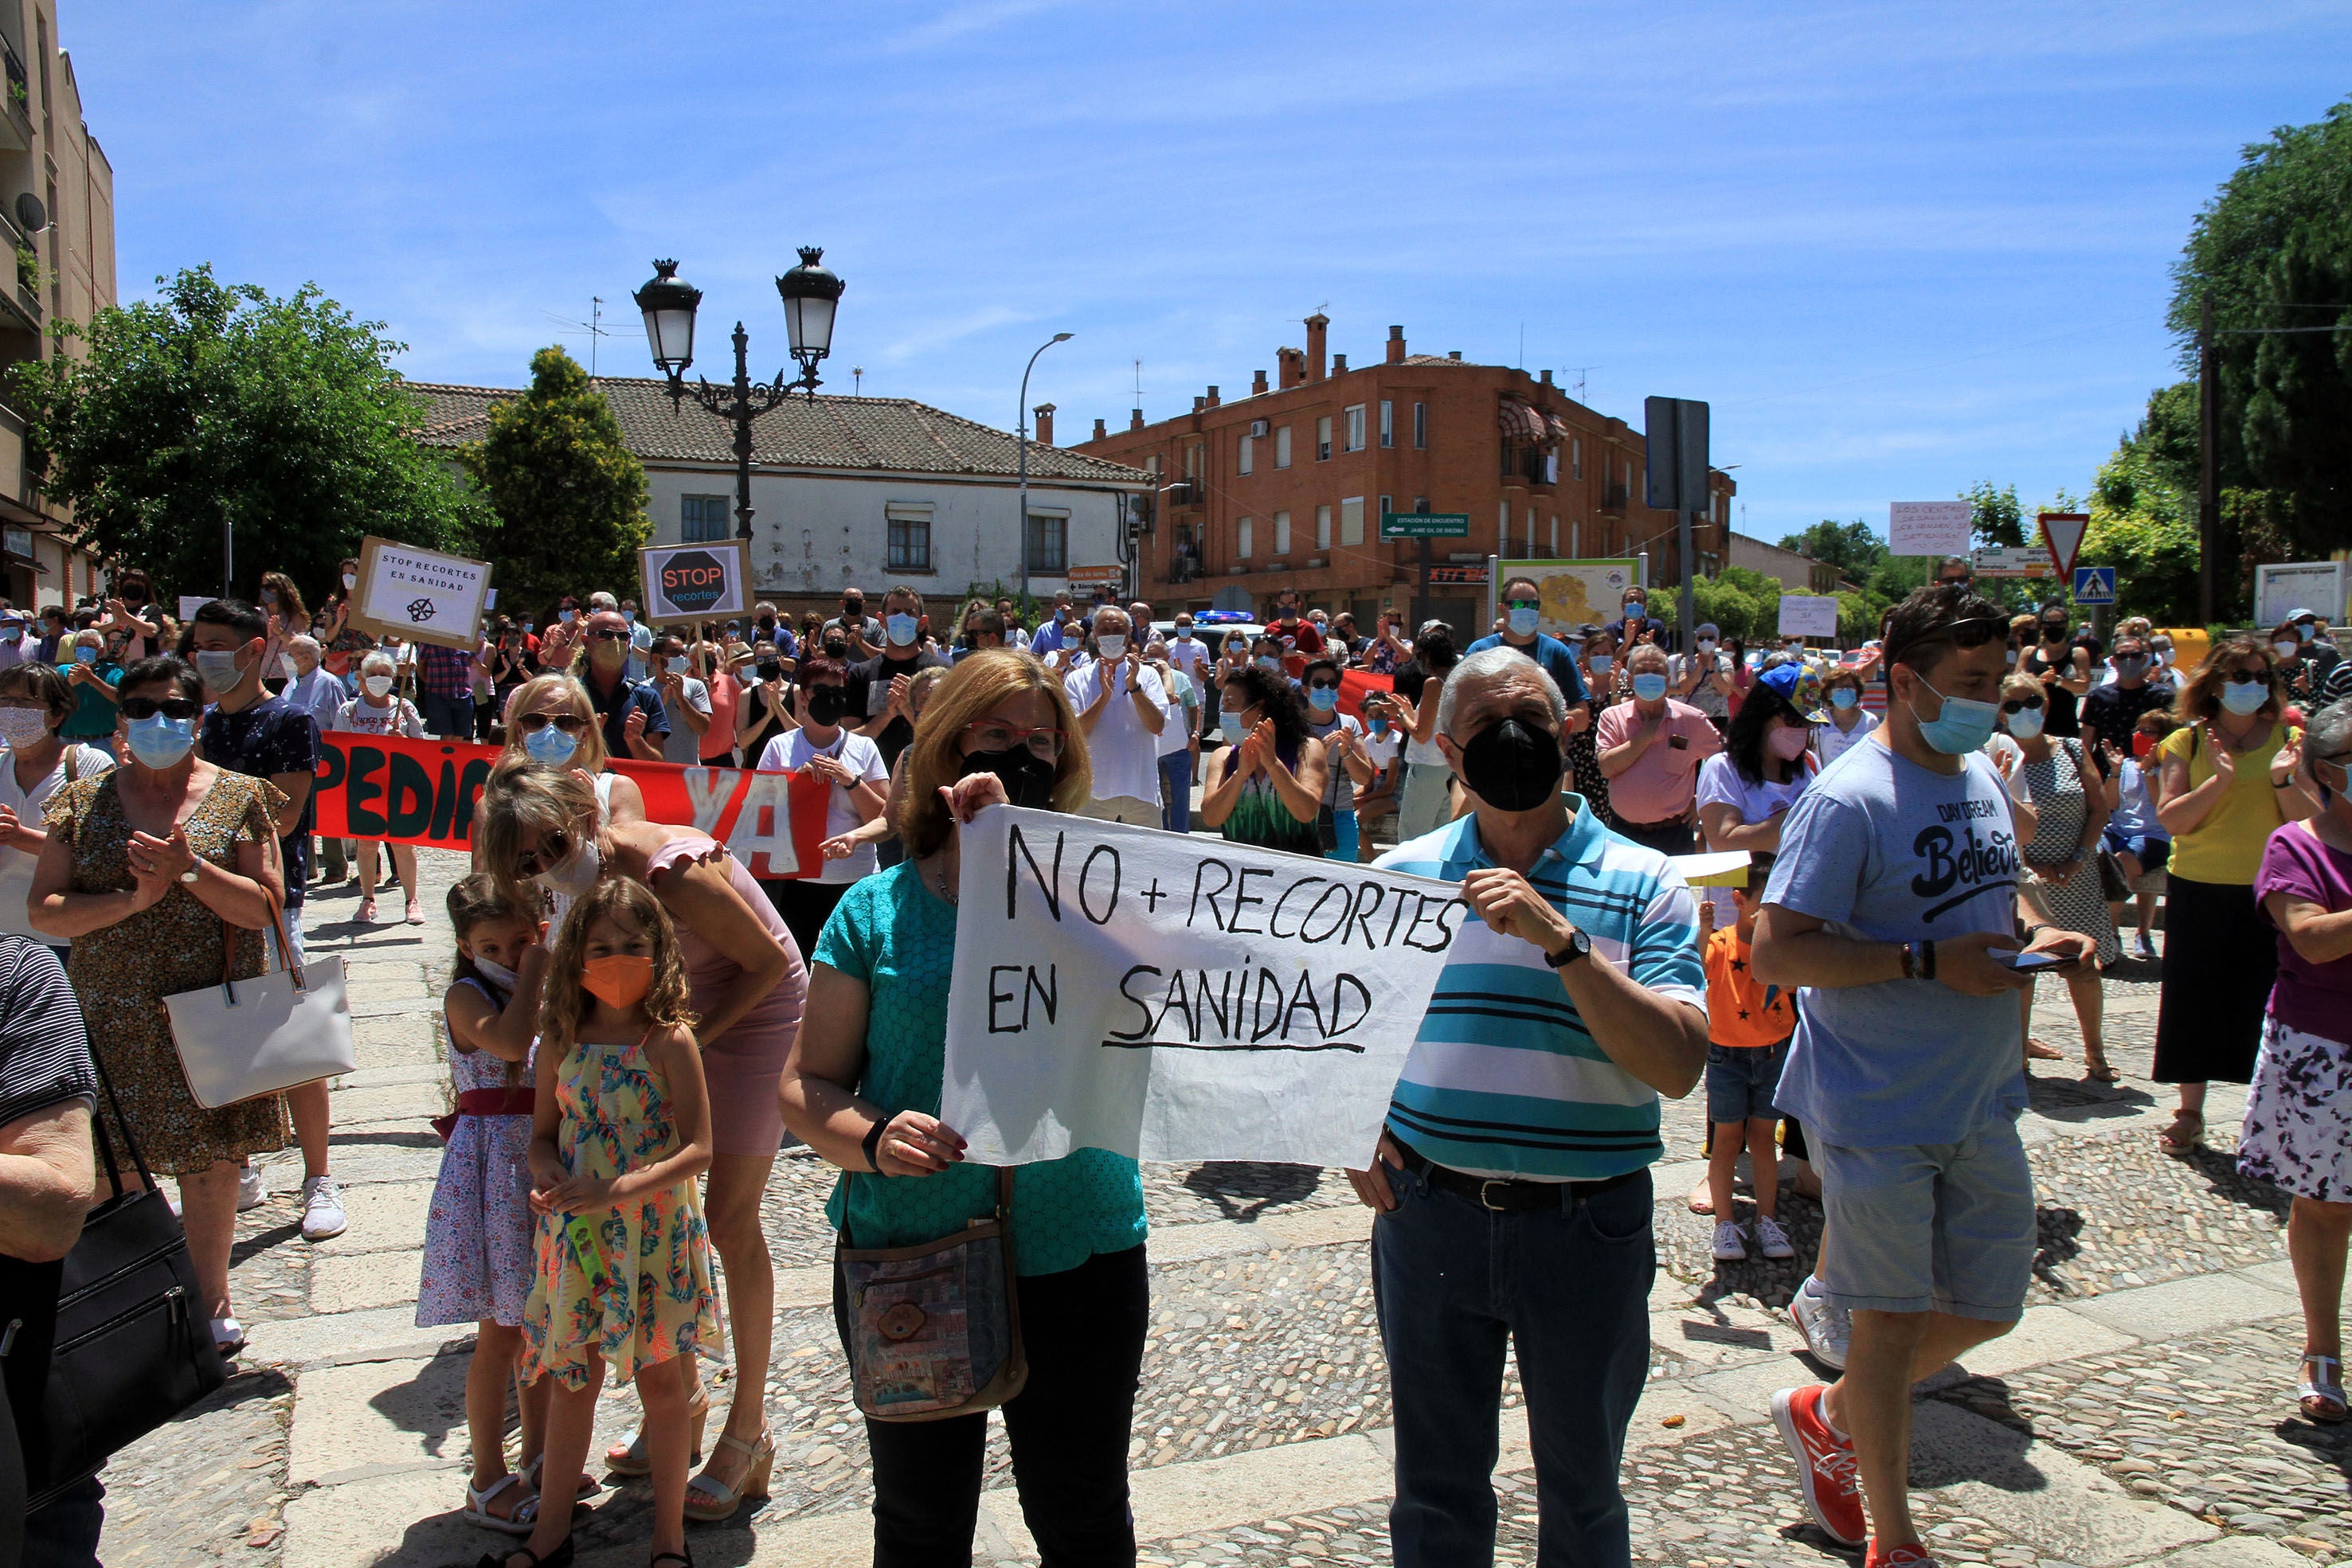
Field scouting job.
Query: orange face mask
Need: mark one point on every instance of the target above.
(619, 980)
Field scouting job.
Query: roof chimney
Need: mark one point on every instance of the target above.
(1257, 387)
(1317, 325)
(1547, 378)
(1135, 419)
(1291, 364)
(1396, 345)
(1099, 431)
(1044, 413)
(1454, 354)
(1199, 404)
(1213, 399)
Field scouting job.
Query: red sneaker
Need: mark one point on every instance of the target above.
(1897, 1557)
(1825, 1466)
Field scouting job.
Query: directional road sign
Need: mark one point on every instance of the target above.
(1424, 524)
(2062, 532)
(2094, 585)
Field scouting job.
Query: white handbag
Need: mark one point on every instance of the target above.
(279, 1029)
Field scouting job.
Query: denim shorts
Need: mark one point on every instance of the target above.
(1916, 1227)
(1740, 1080)
(2151, 851)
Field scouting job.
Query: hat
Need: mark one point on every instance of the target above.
(1707, 629)
(2303, 615)
(1800, 687)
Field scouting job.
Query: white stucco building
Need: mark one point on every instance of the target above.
(856, 491)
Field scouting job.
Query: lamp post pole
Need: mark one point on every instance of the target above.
(1021, 430)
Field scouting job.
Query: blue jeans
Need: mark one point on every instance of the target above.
(1568, 1290)
(449, 719)
(1176, 791)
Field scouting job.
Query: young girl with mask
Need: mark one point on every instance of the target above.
(621, 1125)
(375, 711)
(478, 1265)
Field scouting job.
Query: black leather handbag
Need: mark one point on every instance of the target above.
(103, 1348)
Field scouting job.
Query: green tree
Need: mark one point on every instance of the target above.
(569, 494)
(1996, 517)
(217, 404)
(1851, 548)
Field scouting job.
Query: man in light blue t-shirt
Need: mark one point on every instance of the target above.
(1894, 887)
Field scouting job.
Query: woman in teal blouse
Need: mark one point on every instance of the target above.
(861, 1088)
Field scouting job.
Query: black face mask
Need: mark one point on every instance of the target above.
(827, 704)
(1028, 777)
(767, 623)
(1513, 766)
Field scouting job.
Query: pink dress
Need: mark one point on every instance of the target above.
(743, 1065)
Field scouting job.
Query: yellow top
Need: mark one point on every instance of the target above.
(2227, 846)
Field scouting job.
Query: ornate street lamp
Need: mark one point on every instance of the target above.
(668, 303)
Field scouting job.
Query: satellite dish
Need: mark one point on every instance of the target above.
(31, 216)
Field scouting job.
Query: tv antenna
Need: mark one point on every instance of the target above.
(591, 329)
(856, 380)
(1580, 372)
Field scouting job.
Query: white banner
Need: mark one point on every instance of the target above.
(1808, 615)
(420, 595)
(1149, 993)
(1928, 527)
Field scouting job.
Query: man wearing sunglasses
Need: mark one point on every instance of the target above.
(1522, 609)
(2113, 710)
(635, 722)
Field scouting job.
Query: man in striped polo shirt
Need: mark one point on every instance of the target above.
(1513, 1183)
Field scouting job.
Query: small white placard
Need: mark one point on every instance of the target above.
(1928, 527)
(1808, 615)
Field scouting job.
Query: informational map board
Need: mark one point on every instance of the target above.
(1575, 592)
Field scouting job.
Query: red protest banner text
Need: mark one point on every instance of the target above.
(422, 792)
(1354, 686)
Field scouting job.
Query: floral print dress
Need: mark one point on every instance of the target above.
(479, 1231)
(646, 1295)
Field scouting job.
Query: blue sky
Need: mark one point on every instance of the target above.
(1898, 247)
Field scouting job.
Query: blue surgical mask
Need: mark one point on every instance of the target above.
(1379, 726)
(85, 656)
(2242, 697)
(1960, 726)
(2304, 630)
(1598, 664)
(1183, 633)
(1845, 697)
(1523, 622)
(901, 628)
(551, 745)
(1230, 725)
(2025, 723)
(159, 742)
(1323, 698)
(14, 631)
(1650, 685)
(218, 668)
(1268, 661)
(630, 616)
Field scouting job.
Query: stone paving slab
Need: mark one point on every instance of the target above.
(358, 1281)
(376, 1418)
(387, 1217)
(2187, 1307)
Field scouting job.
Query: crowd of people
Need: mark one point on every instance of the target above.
(635, 1022)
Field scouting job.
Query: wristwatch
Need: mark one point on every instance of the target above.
(1578, 945)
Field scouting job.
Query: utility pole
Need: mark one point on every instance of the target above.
(2209, 441)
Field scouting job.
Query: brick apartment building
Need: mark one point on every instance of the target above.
(1284, 488)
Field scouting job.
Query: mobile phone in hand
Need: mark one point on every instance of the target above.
(2025, 963)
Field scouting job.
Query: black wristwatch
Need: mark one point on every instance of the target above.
(1578, 945)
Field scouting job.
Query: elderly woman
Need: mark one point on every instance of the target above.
(2226, 784)
(2297, 1134)
(34, 701)
(376, 710)
(547, 829)
(91, 673)
(151, 872)
(864, 1088)
(2062, 868)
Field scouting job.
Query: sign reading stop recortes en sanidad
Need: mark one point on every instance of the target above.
(420, 595)
(1808, 615)
(1928, 527)
(696, 582)
(1116, 987)
(1424, 524)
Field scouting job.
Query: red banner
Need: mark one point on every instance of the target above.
(1356, 684)
(422, 792)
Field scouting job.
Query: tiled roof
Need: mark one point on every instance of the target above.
(892, 434)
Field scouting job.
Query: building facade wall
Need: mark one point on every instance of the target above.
(1796, 573)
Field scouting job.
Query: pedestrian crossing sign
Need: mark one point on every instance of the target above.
(2094, 585)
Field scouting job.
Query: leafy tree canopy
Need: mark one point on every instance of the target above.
(1852, 547)
(218, 404)
(569, 494)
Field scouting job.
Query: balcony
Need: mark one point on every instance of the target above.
(17, 122)
(1613, 499)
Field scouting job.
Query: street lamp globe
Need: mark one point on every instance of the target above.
(669, 302)
(810, 292)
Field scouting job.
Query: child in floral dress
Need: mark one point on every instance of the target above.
(621, 1127)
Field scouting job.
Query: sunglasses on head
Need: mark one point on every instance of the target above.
(170, 707)
(568, 722)
(2014, 705)
(530, 862)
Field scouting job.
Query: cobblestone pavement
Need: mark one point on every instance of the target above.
(2140, 1414)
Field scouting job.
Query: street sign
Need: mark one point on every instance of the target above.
(2010, 560)
(1424, 524)
(2062, 532)
(1675, 449)
(2094, 585)
(1096, 575)
(1928, 527)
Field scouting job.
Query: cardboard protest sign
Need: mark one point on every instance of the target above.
(422, 791)
(420, 595)
(1118, 987)
(696, 582)
(1808, 615)
(1929, 527)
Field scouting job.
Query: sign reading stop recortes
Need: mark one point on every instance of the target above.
(710, 581)
(1424, 524)
(420, 595)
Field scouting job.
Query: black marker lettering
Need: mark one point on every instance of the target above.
(1085, 873)
(1140, 1005)
(1242, 899)
(1266, 982)
(1339, 891)
(1018, 845)
(1225, 880)
(1367, 903)
(1302, 995)
(996, 998)
(1363, 997)
(1276, 914)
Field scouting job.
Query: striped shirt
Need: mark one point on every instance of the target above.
(1503, 1079)
(44, 1048)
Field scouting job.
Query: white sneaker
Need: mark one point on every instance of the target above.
(250, 1193)
(322, 1209)
(1828, 1328)
(1729, 1246)
(1772, 1238)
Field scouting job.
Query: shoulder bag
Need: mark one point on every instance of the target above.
(934, 1329)
(107, 1345)
(244, 1039)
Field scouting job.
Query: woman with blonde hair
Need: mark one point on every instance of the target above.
(545, 829)
(551, 720)
(863, 1088)
(2227, 782)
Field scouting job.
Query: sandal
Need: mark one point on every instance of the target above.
(629, 1458)
(589, 1486)
(2097, 1069)
(686, 1557)
(521, 1521)
(415, 911)
(367, 908)
(2321, 1397)
(759, 1461)
(559, 1558)
(2040, 1050)
(2175, 1140)
(228, 1338)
